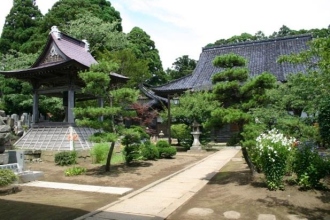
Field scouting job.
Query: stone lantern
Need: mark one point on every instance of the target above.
(196, 133)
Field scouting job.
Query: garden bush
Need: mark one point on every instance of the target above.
(149, 151)
(165, 149)
(182, 133)
(74, 171)
(100, 152)
(132, 141)
(309, 166)
(167, 152)
(274, 149)
(162, 144)
(7, 177)
(66, 158)
(132, 152)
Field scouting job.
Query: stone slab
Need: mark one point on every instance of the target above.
(78, 187)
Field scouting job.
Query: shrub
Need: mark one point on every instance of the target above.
(132, 152)
(100, 152)
(182, 133)
(167, 152)
(149, 151)
(74, 171)
(165, 149)
(309, 166)
(132, 140)
(162, 144)
(7, 177)
(274, 150)
(66, 158)
(324, 121)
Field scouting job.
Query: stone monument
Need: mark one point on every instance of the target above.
(196, 146)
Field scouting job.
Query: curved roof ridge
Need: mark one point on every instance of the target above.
(257, 41)
(71, 48)
(173, 81)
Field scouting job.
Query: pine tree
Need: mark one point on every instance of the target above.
(21, 23)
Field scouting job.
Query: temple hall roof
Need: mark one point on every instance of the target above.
(60, 54)
(261, 56)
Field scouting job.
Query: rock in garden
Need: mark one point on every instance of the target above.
(200, 211)
(232, 215)
(5, 128)
(2, 113)
(266, 217)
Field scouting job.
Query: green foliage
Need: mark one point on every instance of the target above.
(132, 138)
(132, 152)
(193, 106)
(149, 151)
(7, 177)
(101, 35)
(16, 95)
(165, 149)
(75, 171)
(274, 149)
(66, 158)
(99, 152)
(229, 61)
(324, 121)
(181, 67)
(237, 92)
(162, 144)
(309, 166)
(283, 32)
(182, 133)
(167, 152)
(21, 23)
(144, 48)
(136, 69)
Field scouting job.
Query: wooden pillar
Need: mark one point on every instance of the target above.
(169, 119)
(35, 109)
(101, 105)
(70, 105)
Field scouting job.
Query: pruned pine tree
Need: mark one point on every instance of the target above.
(238, 93)
(97, 80)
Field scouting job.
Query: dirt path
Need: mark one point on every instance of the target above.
(41, 203)
(232, 189)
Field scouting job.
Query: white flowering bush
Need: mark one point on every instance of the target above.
(274, 149)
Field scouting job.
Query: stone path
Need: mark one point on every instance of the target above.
(204, 212)
(159, 199)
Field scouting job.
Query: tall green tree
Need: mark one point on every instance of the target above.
(101, 35)
(194, 106)
(129, 65)
(65, 11)
(21, 23)
(238, 93)
(16, 95)
(317, 59)
(97, 80)
(181, 67)
(144, 48)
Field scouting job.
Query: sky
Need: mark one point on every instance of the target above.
(184, 27)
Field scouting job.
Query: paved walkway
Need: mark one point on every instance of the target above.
(159, 199)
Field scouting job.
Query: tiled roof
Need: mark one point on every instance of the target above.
(261, 57)
(70, 47)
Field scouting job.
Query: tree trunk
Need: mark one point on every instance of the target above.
(107, 165)
(248, 161)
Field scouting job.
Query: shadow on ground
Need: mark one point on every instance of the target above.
(15, 210)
